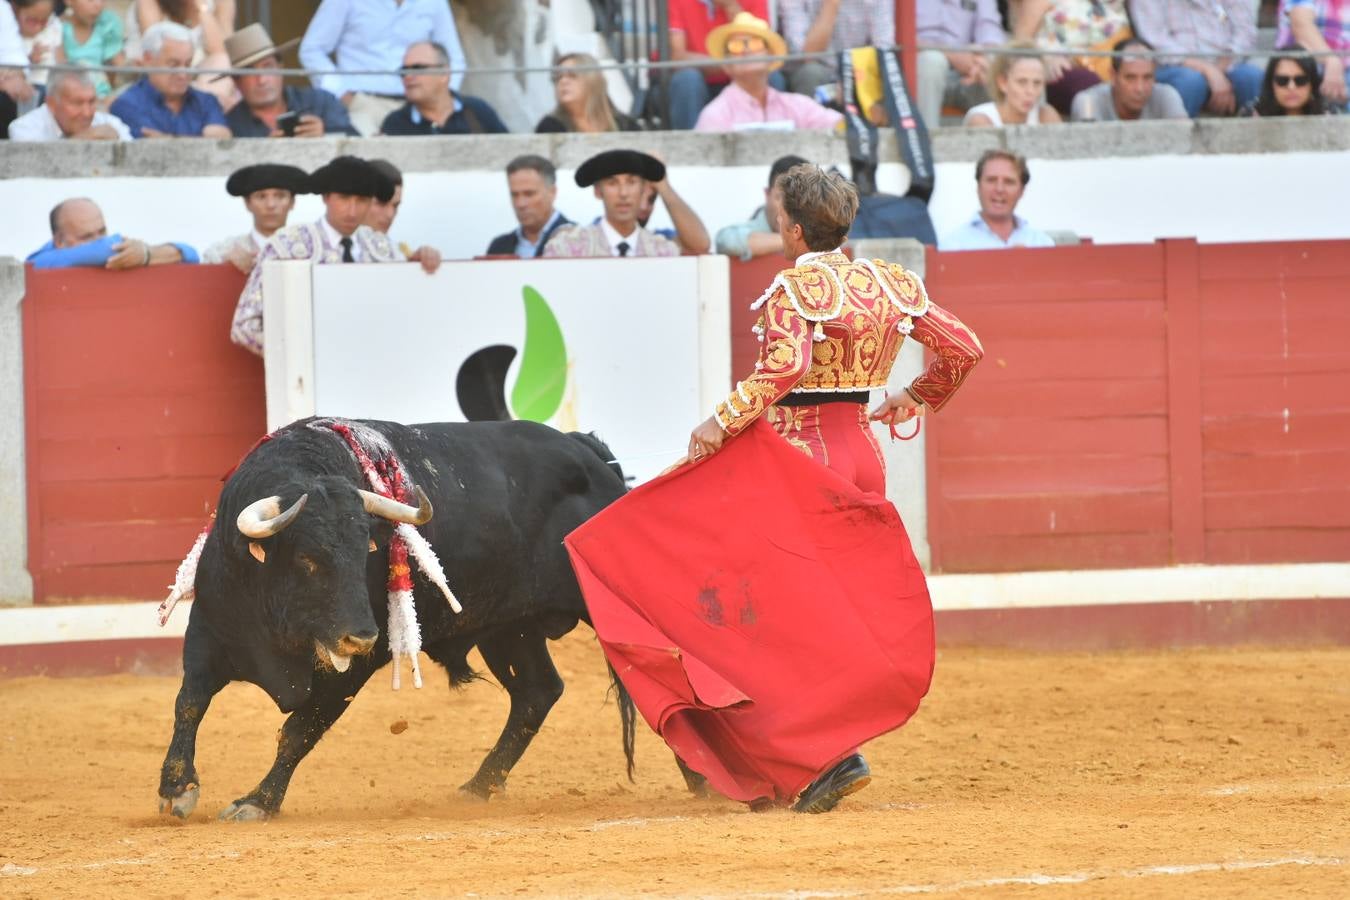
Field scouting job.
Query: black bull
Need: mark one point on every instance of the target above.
(289, 612)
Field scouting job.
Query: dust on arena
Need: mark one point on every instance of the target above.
(1142, 774)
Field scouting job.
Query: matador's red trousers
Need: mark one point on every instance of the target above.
(838, 436)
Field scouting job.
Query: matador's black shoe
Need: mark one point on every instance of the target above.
(823, 794)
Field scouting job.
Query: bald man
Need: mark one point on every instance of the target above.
(80, 238)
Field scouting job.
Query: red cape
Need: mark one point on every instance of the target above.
(766, 616)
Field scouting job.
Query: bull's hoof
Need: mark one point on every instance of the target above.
(239, 811)
(476, 790)
(181, 805)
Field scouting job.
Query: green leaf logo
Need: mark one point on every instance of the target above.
(541, 381)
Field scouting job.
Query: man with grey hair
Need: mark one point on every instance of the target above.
(533, 182)
(164, 104)
(69, 114)
(433, 106)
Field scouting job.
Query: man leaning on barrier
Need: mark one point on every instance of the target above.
(348, 184)
(80, 238)
(269, 193)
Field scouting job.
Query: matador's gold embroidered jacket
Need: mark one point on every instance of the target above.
(834, 324)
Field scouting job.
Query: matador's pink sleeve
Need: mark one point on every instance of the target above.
(955, 349)
(784, 359)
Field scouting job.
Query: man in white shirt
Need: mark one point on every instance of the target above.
(348, 185)
(269, 193)
(621, 179)
(1001, 177)
(69, 114)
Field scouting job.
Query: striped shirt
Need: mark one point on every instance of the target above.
(1196, 26)
(859, 23)
(1332, 18)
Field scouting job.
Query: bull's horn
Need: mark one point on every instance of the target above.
(264, 518)
(398, 512)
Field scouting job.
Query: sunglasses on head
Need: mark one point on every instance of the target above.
(1298, 80)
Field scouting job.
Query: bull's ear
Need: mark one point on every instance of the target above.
(257, 551)
(373, 548)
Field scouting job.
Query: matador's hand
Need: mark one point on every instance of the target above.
(706, 439)
(898, 407)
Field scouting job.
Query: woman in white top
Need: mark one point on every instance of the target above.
(1017, 84)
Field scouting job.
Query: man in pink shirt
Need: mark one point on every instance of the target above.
(749, 102)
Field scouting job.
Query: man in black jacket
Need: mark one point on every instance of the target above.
(533, 183)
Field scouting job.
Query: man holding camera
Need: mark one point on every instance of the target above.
(273, 109)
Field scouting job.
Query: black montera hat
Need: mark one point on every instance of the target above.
(266, 175)
(620, 162)
(351, 175)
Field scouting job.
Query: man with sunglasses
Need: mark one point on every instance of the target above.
(433, 107)
(690, 23)
(1132, 93)
(750, 102)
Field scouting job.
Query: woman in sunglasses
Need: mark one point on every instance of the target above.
(1291, 88)
(583, 99)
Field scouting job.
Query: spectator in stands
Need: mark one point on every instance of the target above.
(1001, 177)
(368, 36)
(533, 182)
(1321, 26)
(348, 185)
(164, 104)
(41, 33)
(620, 178)
(15, 89)
(70, 113)
(1290, 88)
(92, 36)
(1017, 84)
(749, 101)
(266, 99)
(1068, 26)
(817, 26)
(690, 21)
(433, 107)
(80, 238)
(759, 236)
(1221, 84)
(1132, 92)
(954, 77)
(269, 196)
(583, 100)
(209, 21)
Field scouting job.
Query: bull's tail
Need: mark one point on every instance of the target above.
(600, 449)
(628, 716)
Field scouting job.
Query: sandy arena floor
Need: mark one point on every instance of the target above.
(1185, 774)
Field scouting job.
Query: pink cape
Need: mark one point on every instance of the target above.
(766, 615)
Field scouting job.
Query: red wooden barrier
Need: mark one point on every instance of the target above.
(1145, 405)
(136, 403)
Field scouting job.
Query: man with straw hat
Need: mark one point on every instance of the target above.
(749, 102)
(348, 186)
(270, 108)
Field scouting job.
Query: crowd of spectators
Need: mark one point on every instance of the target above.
(397, 69)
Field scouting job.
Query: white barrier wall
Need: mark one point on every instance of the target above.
(637, 350)
(1215, 198)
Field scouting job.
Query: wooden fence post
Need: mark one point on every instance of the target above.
(1181, 298)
